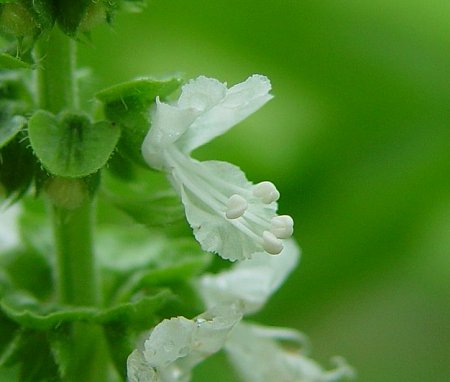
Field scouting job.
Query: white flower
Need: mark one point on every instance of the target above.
(250, 282)
(257, 355)
(177, 345)
(254, 351)
(229, 214)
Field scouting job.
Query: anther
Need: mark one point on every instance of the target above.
(236, 206)
(282, 226)
(266, 191)
(271, 243)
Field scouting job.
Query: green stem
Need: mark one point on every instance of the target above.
(56, 72)
(72, 213)
(76, 268)
(77, 284)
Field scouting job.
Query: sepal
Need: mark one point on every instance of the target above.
(128, 104)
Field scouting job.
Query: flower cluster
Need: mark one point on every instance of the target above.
(176, 346)
(236, 219)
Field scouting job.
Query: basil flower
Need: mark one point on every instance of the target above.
(229, 214)
(176, 346)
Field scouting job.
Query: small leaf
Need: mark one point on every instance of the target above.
(8, 340)
(172, 262)
(10, 127)
(17, 167)
(129, 105)
(31, 351)
(34, 227)
(29, 313)
(70, 14)
(27, 18)
(136, 314)
(71, 146)
(148, 199)
(80, 16)
(142, 90)
(28, 270)
(10, 62)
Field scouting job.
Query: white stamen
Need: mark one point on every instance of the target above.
(236, 206)
(271, 243)
(266, 191)
(282, 226)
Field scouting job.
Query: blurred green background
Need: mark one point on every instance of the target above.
(357, 139)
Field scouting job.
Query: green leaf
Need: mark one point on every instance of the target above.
(28, 270)
(143, 91)
(34, 227)
(17, 167)
(9, 62)
(27, 18)
(10, 127)
(15, 93)
(148, 199)
(70, 146)
(29, 313)
(43, 11)
(8, 341)
(75, 17)
(172, 262)
(129, 105)
(31, 350)
(161, 209)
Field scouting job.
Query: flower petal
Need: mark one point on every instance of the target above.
(168, 124)
(177, 345)
(239, 102)
(257, 357)
(170, 340)
(138, 370)
(252, 281)
(202, 94)
(206, 189)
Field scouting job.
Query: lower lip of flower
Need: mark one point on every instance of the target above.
(250, 209)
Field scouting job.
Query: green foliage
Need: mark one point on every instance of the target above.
(25, 21)
(70, 145)
(76, 17)
(80, 16)
(17, 163)
(128, 104)
(28, 312)
(17, 168)
(10, 62)
(26, 269)
(147, 198)
(31, 351)
(141, 273)
(10, 127)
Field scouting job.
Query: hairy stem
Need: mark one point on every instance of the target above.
(56, 72)
(72, 212)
